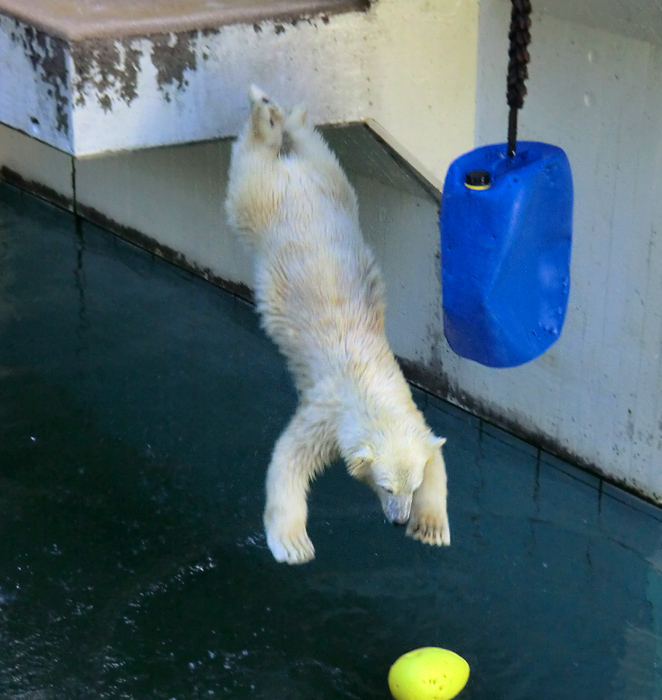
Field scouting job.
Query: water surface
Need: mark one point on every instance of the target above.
(138, 408)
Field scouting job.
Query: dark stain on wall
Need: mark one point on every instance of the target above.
(106, 103)
(162, 251)
(105, 68)
(433, 379)
(48, 58)
(172, 56)
(129, 234)
(128, 86)
(108, 69)
(42, 191)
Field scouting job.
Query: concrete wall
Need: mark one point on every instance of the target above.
(393, 64)
(597, 395)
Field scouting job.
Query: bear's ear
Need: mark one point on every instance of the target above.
(360, 462)
(436, 441)
(364, 454)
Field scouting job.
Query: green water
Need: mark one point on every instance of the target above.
(138, 408)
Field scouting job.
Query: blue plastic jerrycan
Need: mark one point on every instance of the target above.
(506, 232)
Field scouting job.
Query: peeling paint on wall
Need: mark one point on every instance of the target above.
(181, 83)
(48, 58)
(106, 68)
(172, 56)
(109, 69)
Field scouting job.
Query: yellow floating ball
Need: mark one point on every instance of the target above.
(429, 673)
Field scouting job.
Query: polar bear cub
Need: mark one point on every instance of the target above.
(321, 299)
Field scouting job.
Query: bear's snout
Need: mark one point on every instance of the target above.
(397, 508)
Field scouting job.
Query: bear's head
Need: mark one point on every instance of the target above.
(393, 464)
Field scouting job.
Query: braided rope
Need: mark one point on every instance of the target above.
(519, 36)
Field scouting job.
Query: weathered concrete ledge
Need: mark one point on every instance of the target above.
(88, 81)
(76, 20)
(89, 94)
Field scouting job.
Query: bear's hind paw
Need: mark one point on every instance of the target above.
(292, 549)
(429, 529)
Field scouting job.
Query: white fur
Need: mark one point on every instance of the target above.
(321, 299)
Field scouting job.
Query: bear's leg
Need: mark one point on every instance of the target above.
(428, 521)
(307, 143)
(266, 122)
(303, 450)
(257, 177)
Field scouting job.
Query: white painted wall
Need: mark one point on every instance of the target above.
(395, 65)
(598, 392)
(422, 70)
(38, 163)
(33, 97)
(173, 195)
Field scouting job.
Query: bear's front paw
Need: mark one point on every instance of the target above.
(430, 526)
(292, 545)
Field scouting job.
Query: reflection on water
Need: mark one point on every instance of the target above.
(79, 281)
(135, 427)
(7, 306)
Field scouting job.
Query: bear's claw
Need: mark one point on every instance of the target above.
(292, 549)
(429, 530)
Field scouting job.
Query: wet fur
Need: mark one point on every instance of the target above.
(321, 298)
